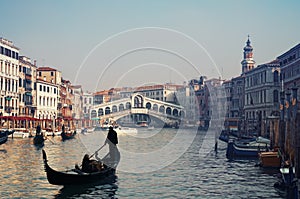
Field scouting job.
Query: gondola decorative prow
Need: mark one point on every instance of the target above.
(44, 159)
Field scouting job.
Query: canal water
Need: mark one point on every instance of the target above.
(198, 173)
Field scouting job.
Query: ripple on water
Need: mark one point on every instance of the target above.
(193, 175)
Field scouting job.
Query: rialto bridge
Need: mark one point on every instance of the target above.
(138, 105)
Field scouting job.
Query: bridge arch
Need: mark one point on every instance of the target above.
(100, 112)
(121, 107)
(162, 109)
(155, 107)
(148, 105)
(107, 110)
(128, 105)
(168, 111)
(175, 112)
(182, 114)
(114, 109)
(138, 106)
(138, 101)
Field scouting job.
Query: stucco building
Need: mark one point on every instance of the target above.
(9, 78)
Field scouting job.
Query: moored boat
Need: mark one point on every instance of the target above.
(287, 185)
(246, 149)
(76, 177)
(142, 124)
(66, 135)
(20, 134)
(126, 130)
(38, 139)
(3, 137)
(270, 159)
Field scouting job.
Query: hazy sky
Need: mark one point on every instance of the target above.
(105, 44)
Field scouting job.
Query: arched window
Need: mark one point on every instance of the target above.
(93, 114)
(148, 105)
(276, 76)
(138, 101)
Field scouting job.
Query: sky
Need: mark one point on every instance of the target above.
(104, 44)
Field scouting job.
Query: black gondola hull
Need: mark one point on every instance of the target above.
(3, 139)
(67, 136)
(72, 178)
(38, 140)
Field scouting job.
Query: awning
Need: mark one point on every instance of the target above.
(18, 118)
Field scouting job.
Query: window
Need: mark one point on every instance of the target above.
(48, 90)
(52, 73)
(41, 88)
(275, 96)
(276, 76)
(44, 89)
(54, 90)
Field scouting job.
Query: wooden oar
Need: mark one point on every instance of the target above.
(97, 150)
(51, 140)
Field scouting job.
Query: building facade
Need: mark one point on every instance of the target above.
(46, 108)
(66, 100)
(162, 92)
(290, 69)
(262, 89)
(9, 78)
(77, 110)
(27, 87)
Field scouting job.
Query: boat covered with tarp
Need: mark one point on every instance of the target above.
(247, 148)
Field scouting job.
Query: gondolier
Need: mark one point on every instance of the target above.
(112, 141)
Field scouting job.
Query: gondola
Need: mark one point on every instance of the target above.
(3, 137)
(77, 177)
(38, 139)
(68, 135)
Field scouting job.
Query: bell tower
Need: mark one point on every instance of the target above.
(247, 62)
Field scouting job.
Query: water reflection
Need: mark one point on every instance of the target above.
(104, 189)
(3, 151)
